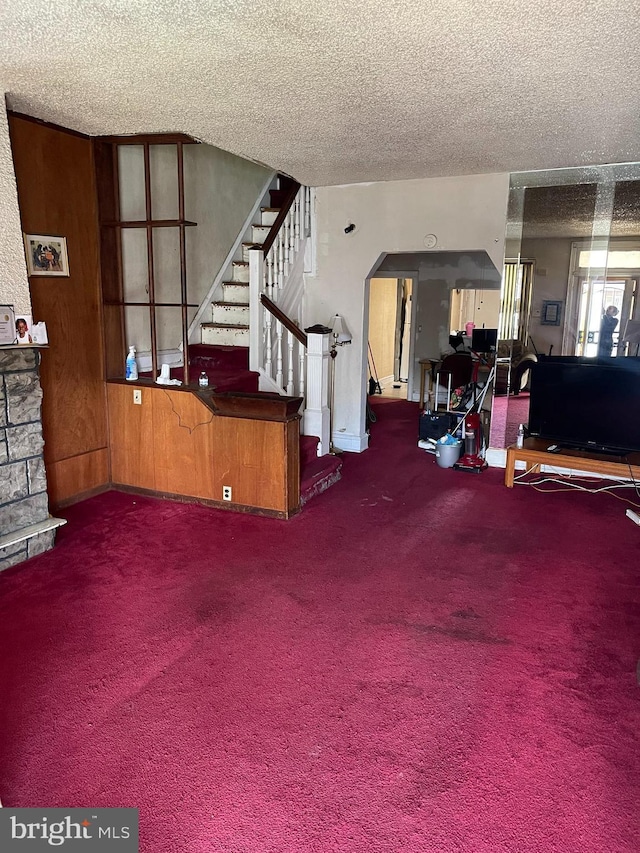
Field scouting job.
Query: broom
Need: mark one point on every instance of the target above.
(374, 384)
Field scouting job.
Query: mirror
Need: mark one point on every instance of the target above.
(571, 277)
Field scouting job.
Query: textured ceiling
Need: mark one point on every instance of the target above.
(340, 92)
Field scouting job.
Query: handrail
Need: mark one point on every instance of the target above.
(289, 325)
(273, 233)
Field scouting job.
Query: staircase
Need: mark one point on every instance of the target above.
(229, 344)
(230, 316)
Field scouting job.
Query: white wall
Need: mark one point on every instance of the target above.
(220, 190)
(14, 284)
(552, 258)
(465, 213)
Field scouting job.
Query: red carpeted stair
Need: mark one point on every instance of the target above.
(227, 367)
(317, 473)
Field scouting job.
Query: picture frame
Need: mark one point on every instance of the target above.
(23, 330)
(551, 312)
(7, 325)
(46, 255)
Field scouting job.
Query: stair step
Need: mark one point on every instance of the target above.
(233, 334)
(240, 271)
(268, 215)
(230, 313)
(308, 449)
(236, 291)
(259, 233)
(317, 476)
(246, 248)
(213, 357)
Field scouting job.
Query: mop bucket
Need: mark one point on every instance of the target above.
(448, 454)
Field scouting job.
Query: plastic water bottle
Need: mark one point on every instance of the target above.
(203, 380)
(131, 366)
(520, 438)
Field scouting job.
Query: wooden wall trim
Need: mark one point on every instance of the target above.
(56, 183)
(172, 443)
(78, 477)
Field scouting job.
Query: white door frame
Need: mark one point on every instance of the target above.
(397, 274)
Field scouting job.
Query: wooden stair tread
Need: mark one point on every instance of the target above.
(225, 326)
(235, 283)
(232, 304)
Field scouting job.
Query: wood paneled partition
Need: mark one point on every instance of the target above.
(174, 444)
(57, 197)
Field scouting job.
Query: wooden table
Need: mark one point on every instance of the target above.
(534, 453)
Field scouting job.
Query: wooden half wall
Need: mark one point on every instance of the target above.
(57, 197)
(172, 443)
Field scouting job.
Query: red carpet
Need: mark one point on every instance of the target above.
(421, 661)
(506, 415)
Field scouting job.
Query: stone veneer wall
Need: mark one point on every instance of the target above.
(23, 482)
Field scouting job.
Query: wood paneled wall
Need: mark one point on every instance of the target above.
(57, 196)
(173, 443)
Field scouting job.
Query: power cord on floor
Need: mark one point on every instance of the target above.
(568, 486)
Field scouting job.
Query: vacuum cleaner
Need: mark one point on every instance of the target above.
(471, 459)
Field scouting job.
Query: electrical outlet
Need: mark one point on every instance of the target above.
(137, 396)
(226, 493)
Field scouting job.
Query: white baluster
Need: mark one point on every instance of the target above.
(290, 364)
(301, 371)
(270, 273)
(298, 220)
(307, 211)
(279, 371)
(280, 262)
(292, 231)
(268, 347)
(286, 240)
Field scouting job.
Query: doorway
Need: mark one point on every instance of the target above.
(389, 336)
(595, 296)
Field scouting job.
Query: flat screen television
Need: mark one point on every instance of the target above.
(484, 340)
(587, 403)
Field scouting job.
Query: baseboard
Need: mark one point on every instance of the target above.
(497, 457)
(349, 442)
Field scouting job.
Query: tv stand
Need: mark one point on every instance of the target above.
(535, 453)
(601, 451)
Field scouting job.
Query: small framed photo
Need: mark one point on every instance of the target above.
(46, 255)
(23, 332)
(551, 312)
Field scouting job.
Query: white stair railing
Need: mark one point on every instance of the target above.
(274, 351)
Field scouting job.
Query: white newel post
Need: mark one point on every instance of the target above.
(316, 414)
(256, 344)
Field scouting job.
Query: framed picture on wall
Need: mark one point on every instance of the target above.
(551, 312)
(46, 255)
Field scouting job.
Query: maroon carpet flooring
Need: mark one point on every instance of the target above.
(421, 661)
(507, 414)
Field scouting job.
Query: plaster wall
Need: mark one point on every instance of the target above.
(220, 190)
(550, 281)
(464, 213)
(14, 284)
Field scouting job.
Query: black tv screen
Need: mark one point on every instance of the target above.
(591, 404)
(484, 340)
